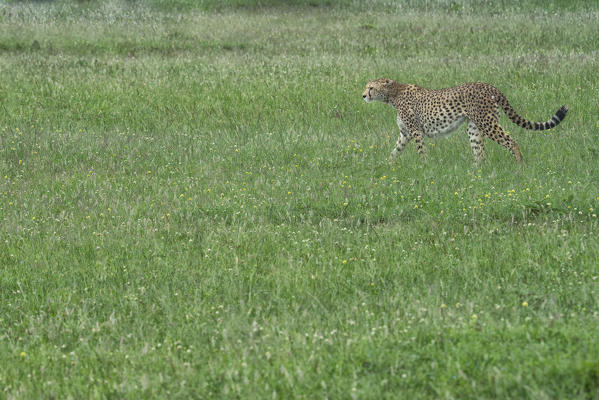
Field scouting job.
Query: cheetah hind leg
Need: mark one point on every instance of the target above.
(476, 142)
(496, 133)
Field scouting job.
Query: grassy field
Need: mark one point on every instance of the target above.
(195, 202)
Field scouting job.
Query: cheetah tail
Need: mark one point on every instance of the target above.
(535, 126)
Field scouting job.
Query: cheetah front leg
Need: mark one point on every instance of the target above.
(402, 141)
(401, 144)
(419, 143)
(407, 122)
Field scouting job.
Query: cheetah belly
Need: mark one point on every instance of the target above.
(432, 130)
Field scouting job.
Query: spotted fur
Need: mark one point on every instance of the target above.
(423, 112)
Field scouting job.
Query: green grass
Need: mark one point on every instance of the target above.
(195, 202)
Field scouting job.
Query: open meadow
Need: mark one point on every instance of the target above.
(196, 202)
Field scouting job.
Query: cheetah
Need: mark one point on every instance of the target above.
(431, 113)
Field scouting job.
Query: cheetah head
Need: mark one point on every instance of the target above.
(377, 90)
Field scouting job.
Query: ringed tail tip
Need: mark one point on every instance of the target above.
(561, 113)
